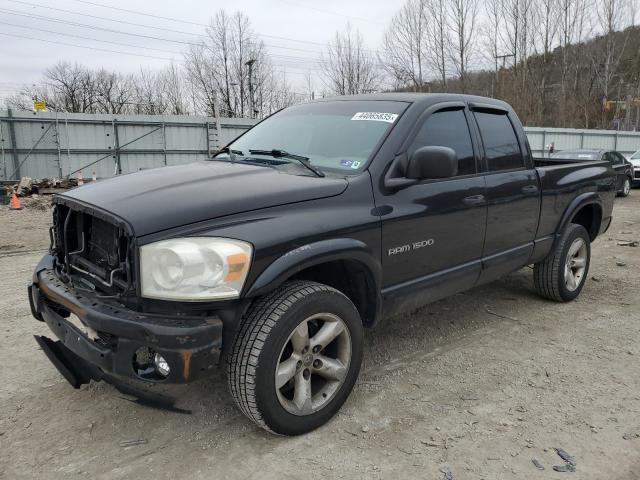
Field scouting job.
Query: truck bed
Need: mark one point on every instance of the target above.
(552, 162)
(562, 180)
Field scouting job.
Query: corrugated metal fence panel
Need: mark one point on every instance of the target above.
(568, 139)
(232, 128)
(59, 144)
(53, 145)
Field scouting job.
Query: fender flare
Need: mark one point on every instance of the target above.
(313, 254)
(582, 200)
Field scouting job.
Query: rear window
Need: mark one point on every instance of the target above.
(500, 142)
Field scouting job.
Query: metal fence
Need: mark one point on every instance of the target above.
(567, 138)
(48, 144)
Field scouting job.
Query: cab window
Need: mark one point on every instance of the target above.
(448, 128)
(500, 142)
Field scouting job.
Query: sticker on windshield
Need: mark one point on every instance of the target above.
(376, 116)
(350, 163)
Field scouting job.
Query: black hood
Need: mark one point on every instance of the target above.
(155, 200)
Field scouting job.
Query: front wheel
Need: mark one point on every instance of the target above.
(562, 274)
(626, 188)
(296, 357)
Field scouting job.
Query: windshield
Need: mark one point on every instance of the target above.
(334, 135)
(578, 155)
(636, 156)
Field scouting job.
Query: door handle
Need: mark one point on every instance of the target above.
(530, 189)
(474, 200)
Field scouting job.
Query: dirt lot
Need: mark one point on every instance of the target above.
(471, 387)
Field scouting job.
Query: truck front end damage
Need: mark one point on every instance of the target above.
(86, 290)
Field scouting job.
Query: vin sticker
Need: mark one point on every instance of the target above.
(350, 163)
(376, 116)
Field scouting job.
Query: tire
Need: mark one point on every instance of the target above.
(269, 343)
(551, 276)
(626, 188)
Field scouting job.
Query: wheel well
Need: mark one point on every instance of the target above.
(589, 217)
(350, 277)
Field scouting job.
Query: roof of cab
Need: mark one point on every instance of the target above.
(421, 98)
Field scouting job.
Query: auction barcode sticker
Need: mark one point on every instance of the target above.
(376, 116)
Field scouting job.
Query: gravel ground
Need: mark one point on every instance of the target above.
(472, 387)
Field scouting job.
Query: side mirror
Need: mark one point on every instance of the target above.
(432, 162)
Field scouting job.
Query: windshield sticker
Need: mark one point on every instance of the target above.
(376, 116)
(350, 163)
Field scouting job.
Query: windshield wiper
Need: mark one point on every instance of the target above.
(304, 161)
(232, 153)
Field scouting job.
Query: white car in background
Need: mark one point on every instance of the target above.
(635, 162)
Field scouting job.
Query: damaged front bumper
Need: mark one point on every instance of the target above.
(108, 338)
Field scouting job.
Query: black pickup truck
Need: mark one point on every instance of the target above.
(273, 256)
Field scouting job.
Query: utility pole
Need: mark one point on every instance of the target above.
(251, 99)
(503, 58)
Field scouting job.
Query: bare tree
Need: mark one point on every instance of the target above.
(172, 81)
(490, 32)
(202, 79)
(69, 88)
(114, 92)
(462, 19)
(611, 16)
(148, 96)
(438, 39)
(217, 70)
(348, 67)
(545, 28)
(405, 50)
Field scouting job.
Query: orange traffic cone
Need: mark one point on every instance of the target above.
(15, 203)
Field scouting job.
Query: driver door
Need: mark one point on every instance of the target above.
(433, 237)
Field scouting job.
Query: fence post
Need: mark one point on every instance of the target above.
(164, 143)
(116, 146)
(208, 141)
(58, 146)
(14, 147)
(3, 171)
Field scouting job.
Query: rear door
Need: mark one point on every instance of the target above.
(619, 165)
(512, 193)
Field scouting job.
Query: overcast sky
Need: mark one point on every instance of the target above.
(294, 31)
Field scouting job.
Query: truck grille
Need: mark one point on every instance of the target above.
(92, 252)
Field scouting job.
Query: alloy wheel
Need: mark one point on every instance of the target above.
(576, 264)
(313, 364)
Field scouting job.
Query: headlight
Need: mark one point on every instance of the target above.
(194, 269)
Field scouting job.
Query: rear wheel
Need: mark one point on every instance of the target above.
(626, 187)
(296, 357)
(562, 274)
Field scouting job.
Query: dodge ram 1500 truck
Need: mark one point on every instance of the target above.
(272, 257)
